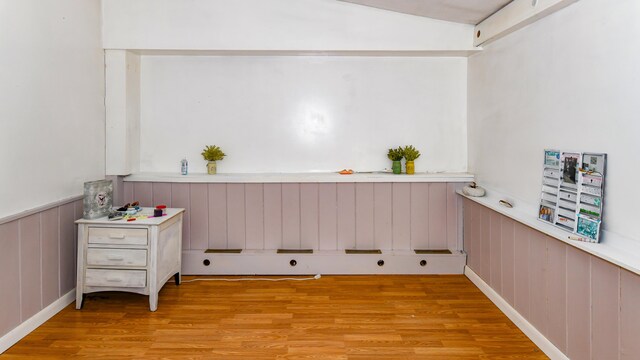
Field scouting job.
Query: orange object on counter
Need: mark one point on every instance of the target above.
(346, 172)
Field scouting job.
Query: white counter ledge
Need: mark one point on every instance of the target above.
(613, 248)
(369, 177)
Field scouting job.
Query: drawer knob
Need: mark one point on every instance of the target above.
(116, 236)
(116, 280)
(115, 258)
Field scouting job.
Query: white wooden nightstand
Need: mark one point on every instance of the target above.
(133, 256)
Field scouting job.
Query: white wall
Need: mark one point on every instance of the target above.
(294, 114)
(51, 96)
(272, 25)
(568, 81)
(291, 114)
(122, 102)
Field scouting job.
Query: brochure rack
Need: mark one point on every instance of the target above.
(573, 192)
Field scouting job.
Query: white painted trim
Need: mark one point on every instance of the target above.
(311, 177)
(268, 262)
(367, 53)
(514, 16)
(532, 333)
(39, 209)
(22, 330)
(267, 25)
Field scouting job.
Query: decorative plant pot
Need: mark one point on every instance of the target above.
(211, 168)
(411, 169)
(397, 167)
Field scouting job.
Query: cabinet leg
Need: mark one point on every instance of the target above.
(79, 300)
(153, 301)
(177, 278)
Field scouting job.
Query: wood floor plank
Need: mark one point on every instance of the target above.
(336, 317)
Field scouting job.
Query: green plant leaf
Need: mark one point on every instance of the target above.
(410, 153)
(395, 154)
(212, 153)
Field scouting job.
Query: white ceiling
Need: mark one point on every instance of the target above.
(462, 11)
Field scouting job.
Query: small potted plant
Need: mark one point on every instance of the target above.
(212, 153)
(396, 156)
(410, 154)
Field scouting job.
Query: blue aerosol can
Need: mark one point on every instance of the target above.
(184, 166)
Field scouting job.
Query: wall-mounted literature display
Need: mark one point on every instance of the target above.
(573, 192)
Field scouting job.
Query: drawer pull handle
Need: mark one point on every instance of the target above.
(116, 236)
(114, 280)
(115, 258)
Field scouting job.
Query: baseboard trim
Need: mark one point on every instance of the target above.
(269, 262)
(532, 333)
(22, 330)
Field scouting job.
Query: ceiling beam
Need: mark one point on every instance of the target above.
(516, 15)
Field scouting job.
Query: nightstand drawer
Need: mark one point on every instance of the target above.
(122, 257)
(117, 236)
(116, 278)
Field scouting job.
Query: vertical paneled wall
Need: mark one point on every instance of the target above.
(587, 307)
(37, 262)
(319, 216)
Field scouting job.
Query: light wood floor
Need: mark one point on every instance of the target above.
(336, 317)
